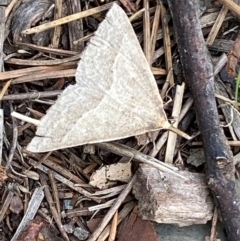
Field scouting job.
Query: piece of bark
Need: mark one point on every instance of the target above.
(4, 2)
(28, 14)
(75, 27)
(198, 72)
(221, 45)
(165, 198)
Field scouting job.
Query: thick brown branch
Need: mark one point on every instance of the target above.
(198, 72)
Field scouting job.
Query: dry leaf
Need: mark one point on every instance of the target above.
(233, 57)
(136, 229)
(107, 175)
(115, 95)
(99, 179)
(3, 175)
(119, 172)
(32, 231)
(92, 224)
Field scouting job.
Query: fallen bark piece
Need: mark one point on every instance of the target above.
(28, 14)
(115, 93)
(165, 198)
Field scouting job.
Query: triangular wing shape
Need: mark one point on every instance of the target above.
(115, 96)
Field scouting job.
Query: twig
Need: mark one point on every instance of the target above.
(230, 143)
(24, 118)
(51, 163)
(1, 133)
(167, 43)
(10, 7)
(52, 207)
(33, 206)
(2, 30)
(68, 19)
(14, 140)
(5, 205)
(146, 32)
(172, 137)
(131, 153)
(31, 62)
(113, 230)
(38, 70)
(214, 225)
(137, 14)
(198, 71)
(231, 6)
(57, 29)
(4, 89)
(155, 29)
(49, 50)
(64, 180)
(112, 210)
(42, 76)
(83, 39)
(217, 25)
(159, 144)
(33, 95)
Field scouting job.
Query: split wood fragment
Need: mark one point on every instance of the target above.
(118, 99)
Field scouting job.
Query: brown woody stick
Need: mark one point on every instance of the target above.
(198, 72)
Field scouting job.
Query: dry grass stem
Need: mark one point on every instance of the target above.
(122, 214)
(2, 38)
(10, 7)
(217, 25)
(146, 32)
(5, 88)
(155, 28)
(41, 62)
(172, 137)
(113, 230)
(167, 43)
(33, 95)
(158, 71)
(112, 210)
(68, 19)
(49, 50)
(85, 38)
(137, 14)
(231, 6)
(64, 180)
(25, 118)
(52, 207)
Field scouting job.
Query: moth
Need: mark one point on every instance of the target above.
(115, 95)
